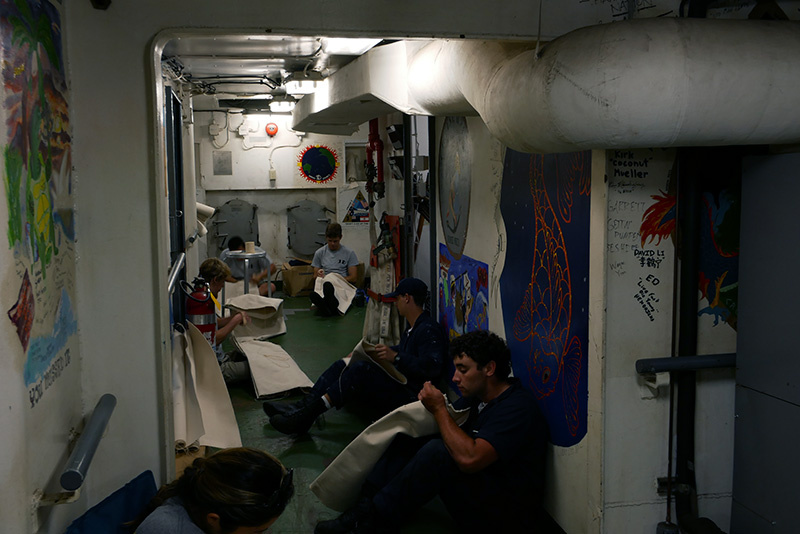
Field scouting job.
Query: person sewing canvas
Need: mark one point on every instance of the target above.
(260, 268)
(233, 365)
(489, 472)
(419, 357)
(333, 258)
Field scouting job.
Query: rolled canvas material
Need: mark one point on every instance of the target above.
(366, 351)
(338, 486)
(211, 395)
(187, 420)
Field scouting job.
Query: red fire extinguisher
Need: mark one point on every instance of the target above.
(200, 308)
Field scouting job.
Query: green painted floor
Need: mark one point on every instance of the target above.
(316, 342)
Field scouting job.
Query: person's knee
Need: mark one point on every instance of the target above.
(436, 453)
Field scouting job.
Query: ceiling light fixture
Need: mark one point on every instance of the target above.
(344, 46)
(281, 106)
(300, 87)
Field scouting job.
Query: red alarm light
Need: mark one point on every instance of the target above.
(272, 129)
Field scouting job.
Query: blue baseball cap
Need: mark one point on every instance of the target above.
(409, 286)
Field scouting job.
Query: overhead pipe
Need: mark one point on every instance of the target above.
(641, 83)
(662, 82)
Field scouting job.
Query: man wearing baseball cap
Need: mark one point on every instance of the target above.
(420, 357)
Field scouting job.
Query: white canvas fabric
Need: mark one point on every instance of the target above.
(266, 316)
(271, 367)
(210, 393)
(338, 486)
(187, 420)
(236, 289)
(342, 289)
(382, 322)
(366, 351)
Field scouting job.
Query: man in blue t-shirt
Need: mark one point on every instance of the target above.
(489, 473)
(333, 257)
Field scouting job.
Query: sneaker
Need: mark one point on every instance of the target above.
(347, 521)
(300, 419)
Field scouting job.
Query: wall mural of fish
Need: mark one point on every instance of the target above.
(544, 285)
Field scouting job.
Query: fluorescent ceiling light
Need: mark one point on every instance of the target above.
(281, 106)
(347, 47)
(300, 87)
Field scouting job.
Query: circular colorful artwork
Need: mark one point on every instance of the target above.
(318, 163)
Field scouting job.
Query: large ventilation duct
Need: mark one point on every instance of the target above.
(640, 83)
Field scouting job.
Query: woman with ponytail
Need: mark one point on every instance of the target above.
(234, 491)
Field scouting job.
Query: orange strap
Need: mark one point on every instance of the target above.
(379, 297)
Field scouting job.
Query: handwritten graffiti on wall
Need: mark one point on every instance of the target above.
(544, 285)
(38, 187)
(463, 293)
(719, 238)
(622, 8)
(636, 226)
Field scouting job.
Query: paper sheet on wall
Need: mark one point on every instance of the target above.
(342, 289)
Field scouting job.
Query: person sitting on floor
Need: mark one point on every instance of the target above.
(234, 364)
(333, 257)
(420, 356)
(239, 491)
(489, 473)
(260, 268)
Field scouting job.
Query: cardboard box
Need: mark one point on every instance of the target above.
(298, 280)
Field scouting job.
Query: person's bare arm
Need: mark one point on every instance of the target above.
(352, 274)
(225, 325)
(471, 455)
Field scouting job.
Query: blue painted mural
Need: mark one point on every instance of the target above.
(545, 282)
(463, 294)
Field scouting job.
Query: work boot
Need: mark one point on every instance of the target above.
(330, 297)
(347, 521)
(275, 407)
(299, 419)
(321, 304)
